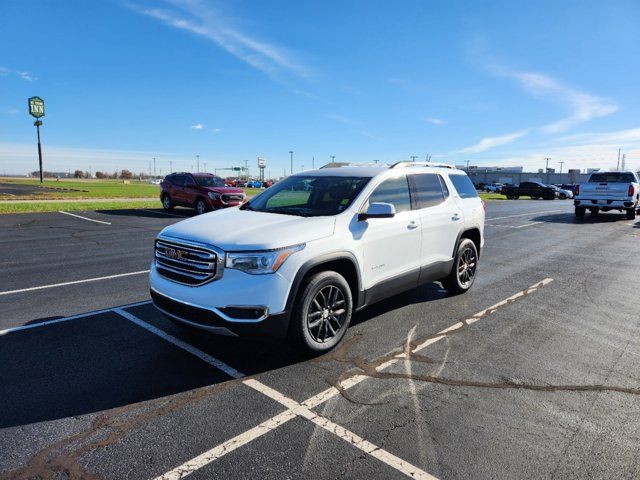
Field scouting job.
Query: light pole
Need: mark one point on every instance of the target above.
(413, 158)
(561, 163)
(154, 167)
(333, 158)
(291, 154)
(198, 162)
(170, 166)
(547, 167)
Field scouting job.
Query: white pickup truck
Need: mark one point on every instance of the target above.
(606, 191)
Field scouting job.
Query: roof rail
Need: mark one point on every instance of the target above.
(351, 164)
(422, 164)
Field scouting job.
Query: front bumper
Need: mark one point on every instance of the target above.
(219, 306)
(215, 321)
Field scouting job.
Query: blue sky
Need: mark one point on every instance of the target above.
(494, 83)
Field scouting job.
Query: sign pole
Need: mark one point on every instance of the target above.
(36, 110)
(37, 123)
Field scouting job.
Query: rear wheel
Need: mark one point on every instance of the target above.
(463, 272)
(580, 211)
(166, 203)
(631, 213)
(322, 313)
(563, 196)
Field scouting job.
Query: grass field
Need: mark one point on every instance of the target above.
(23, 207)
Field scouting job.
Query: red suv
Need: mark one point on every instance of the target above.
(201, 191)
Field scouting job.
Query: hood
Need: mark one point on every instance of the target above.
(224, 189)
(235, 229)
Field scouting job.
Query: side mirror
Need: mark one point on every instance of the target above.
(378, 210)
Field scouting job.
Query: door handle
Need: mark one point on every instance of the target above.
(455, 217)
(412, 225)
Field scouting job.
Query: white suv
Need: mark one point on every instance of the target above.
(298, 259)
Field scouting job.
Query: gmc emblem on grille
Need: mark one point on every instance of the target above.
(173, 253)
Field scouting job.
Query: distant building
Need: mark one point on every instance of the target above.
(483, 169)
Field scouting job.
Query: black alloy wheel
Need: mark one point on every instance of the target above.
(326, 314)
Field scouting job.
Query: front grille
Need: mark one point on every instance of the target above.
(232, 197)
(186, 263)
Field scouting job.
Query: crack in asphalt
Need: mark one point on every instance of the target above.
(61, 459)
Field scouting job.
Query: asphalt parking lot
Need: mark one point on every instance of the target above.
(531, 374)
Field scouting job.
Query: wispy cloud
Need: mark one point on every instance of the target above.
(217, 130)
(197, 126)
(29, 77)
(203, 20)
(620, 137)
(491, 142)
(434, 121)
(582, 106)
(340, 119)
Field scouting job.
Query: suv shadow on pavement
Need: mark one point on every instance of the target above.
(149, 213)
(570, 218)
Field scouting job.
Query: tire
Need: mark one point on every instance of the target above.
(580, 211)
(465, 266)
(563, 196)
(631, 213)
(167, 204)
(317, 324)
(201, 206)
(549, 197)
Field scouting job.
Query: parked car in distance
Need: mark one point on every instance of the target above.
(493, 187)
(605, 191)
(316, 247)
(202, 191)
(535, 190)
(253, 184)
(562, 193)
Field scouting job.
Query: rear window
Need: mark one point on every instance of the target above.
(463, 186)
(426, 189)
(612, 177)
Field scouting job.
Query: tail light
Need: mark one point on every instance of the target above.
(576, 190)
(631, 191)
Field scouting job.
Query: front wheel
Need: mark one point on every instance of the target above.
(322, 313)
(201, 206)
(463, 272)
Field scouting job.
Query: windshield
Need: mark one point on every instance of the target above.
(309, 196)
(210, 181)
(612, 177)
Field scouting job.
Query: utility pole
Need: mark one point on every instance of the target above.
(413, 158)
(427, 158)
(170, 166)
(561, 163)
(333, 158)
(313, 163)
(198, 162)
(246, 168)
(291, 169)
(618, 164)
(624, 156)
(149, 167)
(154, 167)
(547, 167)
(467, 164)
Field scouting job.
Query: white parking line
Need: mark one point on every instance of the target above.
(355, 440)
(84, 218)
(304, 409)
(220, 365)
(74, 282)
(523, 215)
(513, 226)
(66, 319)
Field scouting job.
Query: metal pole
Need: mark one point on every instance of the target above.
(198, 162)
(291, 153)
(313, 163)
(154, 167)
(618, 164)
(37, 124)
(413, 158)
(561, 163)
(547, 167)
(332, 157)
(170, 166)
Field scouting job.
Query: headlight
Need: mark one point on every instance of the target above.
(213, 196)
(261, 262)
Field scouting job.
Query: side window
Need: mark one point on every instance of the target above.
(527, 184)
(178, 180)
(463, 186)
(394, 191)
(188, 180)
(426, 189)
